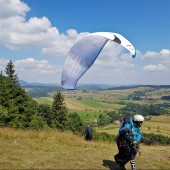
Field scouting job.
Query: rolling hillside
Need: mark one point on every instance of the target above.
(52, 149)
(89, 104)
(58, 150)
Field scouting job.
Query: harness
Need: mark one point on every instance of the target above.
(124, 141)
(127, 149)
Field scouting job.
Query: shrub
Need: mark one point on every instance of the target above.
(153, 139)
(104, 136)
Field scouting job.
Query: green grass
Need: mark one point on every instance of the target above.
(87, 116)
(93, 104)
(44, 100)
(51, 149)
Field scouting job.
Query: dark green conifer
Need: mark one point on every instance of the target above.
(10, 72)
(59, 111)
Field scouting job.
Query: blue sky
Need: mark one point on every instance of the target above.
(37, 35)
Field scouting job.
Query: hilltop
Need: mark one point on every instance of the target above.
(51, 149)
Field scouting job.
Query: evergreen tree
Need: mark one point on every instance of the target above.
(44, 111)
(4, 116)
(10, 72)
(75, 123)
(59, 112)
(37, 122)
(16, 107)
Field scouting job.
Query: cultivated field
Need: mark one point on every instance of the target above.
(90, 104)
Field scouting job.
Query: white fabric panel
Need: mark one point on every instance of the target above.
(125, 43)
(80, 58)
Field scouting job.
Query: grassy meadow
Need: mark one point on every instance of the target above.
(51, 149)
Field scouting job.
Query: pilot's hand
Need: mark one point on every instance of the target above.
(126, 129)
(134, 142)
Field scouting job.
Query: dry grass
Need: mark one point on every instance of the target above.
(48, 150)
(73, 104)
(157, 125)
(52, 149)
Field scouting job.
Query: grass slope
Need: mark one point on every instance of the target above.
(157, 125)
(52, 149)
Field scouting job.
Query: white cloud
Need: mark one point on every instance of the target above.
(36, 33)
(3, 63)
(32, 70)
(151, 54)
(165, 52)
(158, 67)
(36, 66)
(19, 33)
(10, 8)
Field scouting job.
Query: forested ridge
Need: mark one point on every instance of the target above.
(19, 110)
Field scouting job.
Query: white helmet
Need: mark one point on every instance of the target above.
(138, 118)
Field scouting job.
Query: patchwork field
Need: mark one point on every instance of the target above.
(89, 104)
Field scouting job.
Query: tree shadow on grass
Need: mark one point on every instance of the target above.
(112, 165)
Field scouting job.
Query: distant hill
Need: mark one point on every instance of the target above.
(27, 84)
(78, 87)
(94, 86)
(42, 89)
(136, 86)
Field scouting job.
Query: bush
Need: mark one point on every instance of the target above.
(148, 139)
(104, 136)
(75, 123)
(153, 139)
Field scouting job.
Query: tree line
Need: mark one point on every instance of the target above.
(19, 110)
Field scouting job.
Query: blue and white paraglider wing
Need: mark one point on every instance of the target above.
(83, 54)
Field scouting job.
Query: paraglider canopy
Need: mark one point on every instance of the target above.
(85, 51)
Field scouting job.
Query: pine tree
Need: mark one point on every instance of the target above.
(10, 72)
(59, 112)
